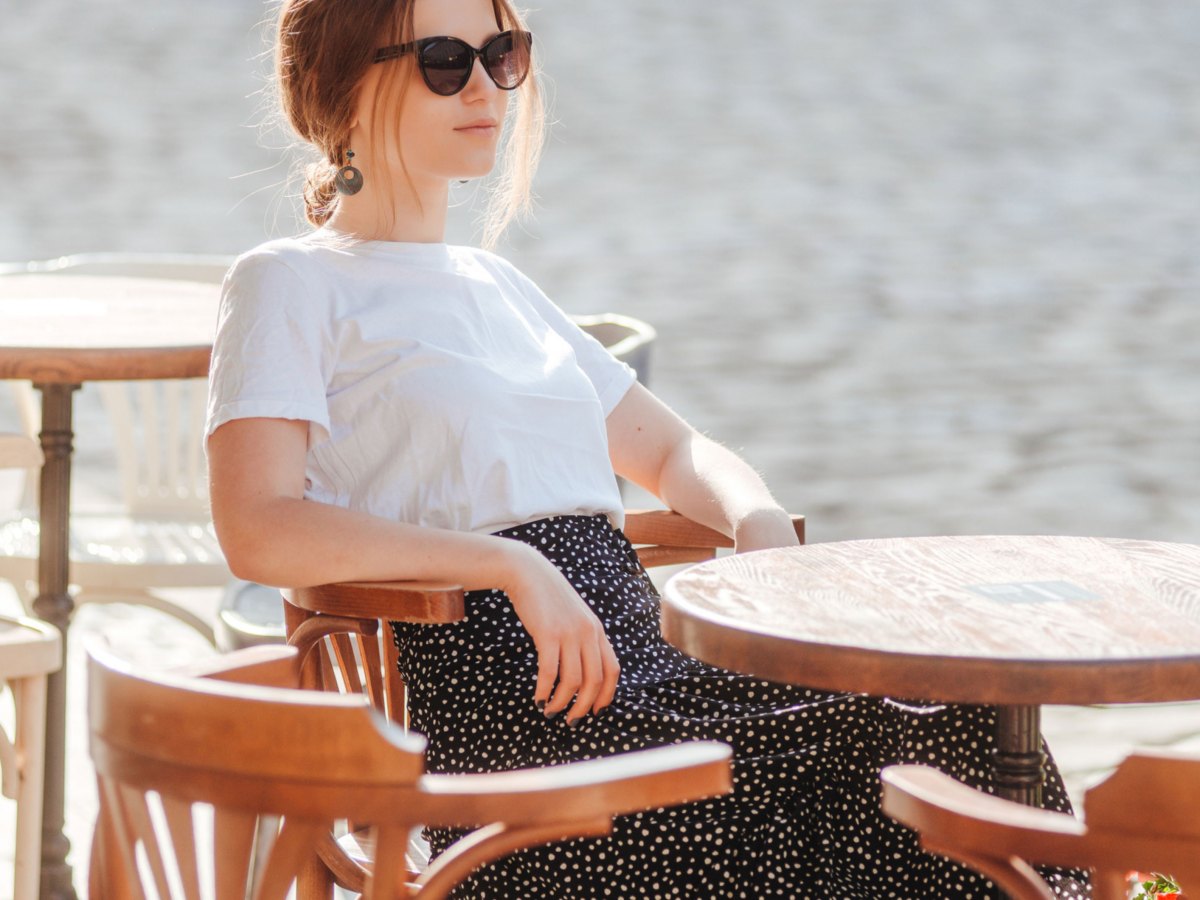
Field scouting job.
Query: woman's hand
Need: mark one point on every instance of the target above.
(571, 644)
(764, 530)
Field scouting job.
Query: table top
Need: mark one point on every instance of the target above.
(1005, 620)
(68, 329)
(28, 647)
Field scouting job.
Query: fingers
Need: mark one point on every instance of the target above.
(593, 680)
(547, 671)
(586, 671)
(612, 669)
(570, 675)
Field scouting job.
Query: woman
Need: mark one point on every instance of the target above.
(387, 407)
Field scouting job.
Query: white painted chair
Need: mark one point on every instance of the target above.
(162, 535)
(29, 651)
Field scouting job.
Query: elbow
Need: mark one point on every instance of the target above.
(248, 555)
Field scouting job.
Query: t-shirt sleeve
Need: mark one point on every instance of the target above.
(610, 377)
(273, 347)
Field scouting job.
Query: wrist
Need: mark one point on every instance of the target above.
(513, 563)
(764, 528)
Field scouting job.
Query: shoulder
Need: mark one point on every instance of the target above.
(496, 267)
(281, 259)
(280, 280)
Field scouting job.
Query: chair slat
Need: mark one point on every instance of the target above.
(291, 847)
(389, 876)
(137, 811)
(329, 677)
(372, 667)
(397, 700)
(197, 474)
(151, 438)
(115, 821)
(233, 845)
(347, 662)
(172, 399)
(178, 814)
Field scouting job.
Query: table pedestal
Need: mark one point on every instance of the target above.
(54, 605)
(1018, 765)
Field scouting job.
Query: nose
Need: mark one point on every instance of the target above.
(479, 83)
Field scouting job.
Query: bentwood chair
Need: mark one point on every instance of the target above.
(188, 762)
(344, 634)
(1143, 817)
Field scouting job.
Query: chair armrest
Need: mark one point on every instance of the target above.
(951, 815)
(424, 602)
(611, 786)
(674, 539)
(665, 537)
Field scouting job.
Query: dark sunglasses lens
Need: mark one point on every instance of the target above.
(506, 58)
(446, 65)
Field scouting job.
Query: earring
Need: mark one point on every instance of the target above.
(348, 180)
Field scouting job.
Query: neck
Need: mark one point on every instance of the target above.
(403, 214)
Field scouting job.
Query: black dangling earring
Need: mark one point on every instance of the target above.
(348, 180)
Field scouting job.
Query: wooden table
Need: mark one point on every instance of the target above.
(1010, 621)
(60, 331)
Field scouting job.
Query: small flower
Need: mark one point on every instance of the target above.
(1156, 886)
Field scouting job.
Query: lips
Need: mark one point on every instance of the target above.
(479, 126)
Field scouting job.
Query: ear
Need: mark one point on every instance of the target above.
(364, 101)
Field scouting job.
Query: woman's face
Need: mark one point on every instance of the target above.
(442, 138)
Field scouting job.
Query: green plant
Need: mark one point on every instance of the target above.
(1158, 887)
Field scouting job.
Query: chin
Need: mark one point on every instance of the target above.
(472, 169)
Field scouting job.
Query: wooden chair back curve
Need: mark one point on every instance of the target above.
(188, 764)
(1145, 816)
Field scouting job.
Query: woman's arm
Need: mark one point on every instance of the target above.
(653, 447)
(272, 535)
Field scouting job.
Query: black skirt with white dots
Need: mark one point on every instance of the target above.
(804, 816)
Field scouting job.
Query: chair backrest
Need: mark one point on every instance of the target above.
(158, 433)
(186, 766)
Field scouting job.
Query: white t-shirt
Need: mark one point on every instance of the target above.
(441, 386)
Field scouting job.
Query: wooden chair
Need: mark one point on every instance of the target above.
(186, 765)
(344, 634)
(1144, 817)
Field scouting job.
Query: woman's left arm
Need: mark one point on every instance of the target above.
(653, 447)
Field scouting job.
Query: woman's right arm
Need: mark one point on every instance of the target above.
(272, 535)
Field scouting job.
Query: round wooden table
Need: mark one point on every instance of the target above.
(1011, 621)
(60, 331)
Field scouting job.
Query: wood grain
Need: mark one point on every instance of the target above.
(56, 330)
(1011, 620)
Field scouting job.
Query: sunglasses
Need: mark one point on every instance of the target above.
(446, 62)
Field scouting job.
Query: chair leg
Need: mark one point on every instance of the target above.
(1014, 876)
(29, 697)
(314, 881)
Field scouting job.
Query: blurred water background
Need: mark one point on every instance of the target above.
(932, 268)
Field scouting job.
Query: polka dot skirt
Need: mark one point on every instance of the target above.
(804, 817)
